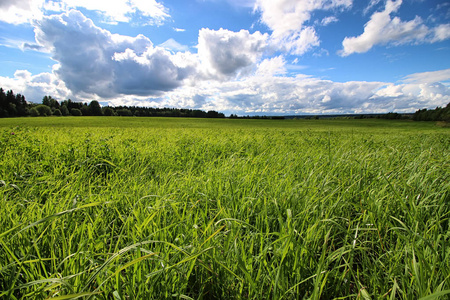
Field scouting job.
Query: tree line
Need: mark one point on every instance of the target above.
(437, 114)
(12, 105)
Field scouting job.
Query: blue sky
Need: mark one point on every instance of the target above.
(234, 56)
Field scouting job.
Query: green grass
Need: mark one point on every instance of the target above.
(155, 208)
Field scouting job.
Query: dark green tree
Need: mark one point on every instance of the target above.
(124, 112)
(9, 105)
(21, 105)
(12, 105)
(34, 112)
(64, 110)
(46, 100)
(85, 110)
(54, 103)
(95, 108)
(108, 111)
(12, 109)
(2, 98)
(76, 112)
(44, 110)
(51, 102)
(71, 104)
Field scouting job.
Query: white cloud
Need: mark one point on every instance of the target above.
(150, 8)
(371, 5)
(19, 12)
(441, 32)
(428, 77)
(293, 95)
(272, 67)
(121, 10)
(382, 30)
(34, 87)
(287, 19)
(414, 96)
(225, 53)
(23, 11)
(328, 20)
(265, 94)
(54, 6)
(300, 42)
(94, 61)
(151, 73)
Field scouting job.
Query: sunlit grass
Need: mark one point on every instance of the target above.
(135, 208)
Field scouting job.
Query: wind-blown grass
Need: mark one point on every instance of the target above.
(128, 208)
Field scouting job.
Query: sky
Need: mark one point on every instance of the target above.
(246, 57)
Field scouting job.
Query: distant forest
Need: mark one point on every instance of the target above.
(438, 114)
(15, 105)
(12, 105)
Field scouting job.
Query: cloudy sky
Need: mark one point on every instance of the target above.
(233, 56)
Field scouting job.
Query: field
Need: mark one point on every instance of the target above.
(154, 208)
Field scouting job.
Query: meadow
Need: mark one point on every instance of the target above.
(159, 208)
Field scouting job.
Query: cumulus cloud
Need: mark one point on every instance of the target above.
(34, 87)
(287, 19)
(151, 73)
(313, 95)
(272, 66)
(293, 95)
(382, 30)
(92, 60)
(301, 42)
(412, 96)
(266, 93)
(225, 53)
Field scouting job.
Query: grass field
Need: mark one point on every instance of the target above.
(154, 208)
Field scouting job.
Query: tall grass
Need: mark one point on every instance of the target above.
(209, 209)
